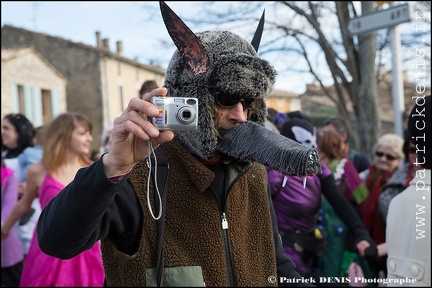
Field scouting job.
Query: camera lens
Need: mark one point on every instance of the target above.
(185, 115)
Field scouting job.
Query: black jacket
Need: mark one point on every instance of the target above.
(92, 208)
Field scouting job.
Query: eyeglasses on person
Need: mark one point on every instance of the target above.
(229, 101)
(387, 156)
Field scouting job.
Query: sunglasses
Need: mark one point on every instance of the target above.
(229, 101)
(387, 156)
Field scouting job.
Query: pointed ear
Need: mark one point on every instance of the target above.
(188, 44)
(258, 33)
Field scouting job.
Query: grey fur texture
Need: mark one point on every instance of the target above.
(235, 69)
(252, 142)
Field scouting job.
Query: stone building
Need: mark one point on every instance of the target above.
(100, 82)
(31, 85)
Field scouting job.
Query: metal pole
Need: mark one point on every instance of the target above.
(397, 80)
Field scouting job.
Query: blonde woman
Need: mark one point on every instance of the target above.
(388, 152)
(66, 150)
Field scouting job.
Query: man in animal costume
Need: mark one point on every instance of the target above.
(215, 224)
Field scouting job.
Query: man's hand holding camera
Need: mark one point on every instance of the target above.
(131, 133)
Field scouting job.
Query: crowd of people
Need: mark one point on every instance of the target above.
(225, 217)
(327, 222)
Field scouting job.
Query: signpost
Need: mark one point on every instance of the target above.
(375, 20)
(379, 19)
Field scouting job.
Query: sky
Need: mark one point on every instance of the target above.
(78, 21)
(125, 21)
(137, 24)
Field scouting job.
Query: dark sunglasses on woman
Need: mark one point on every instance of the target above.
(388, 156)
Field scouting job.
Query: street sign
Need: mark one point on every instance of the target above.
(380, 19)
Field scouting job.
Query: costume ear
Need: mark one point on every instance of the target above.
(188, 44)
(258, 33)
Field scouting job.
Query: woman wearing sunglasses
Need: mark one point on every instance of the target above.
(388, 152)
(401, 177)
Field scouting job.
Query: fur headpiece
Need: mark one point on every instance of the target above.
(213, 62)
(209, 63)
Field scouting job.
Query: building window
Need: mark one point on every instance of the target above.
(281, 102)
(121, 98)
(21, 101)
(46, 106)
(118, 68)
(34, 102)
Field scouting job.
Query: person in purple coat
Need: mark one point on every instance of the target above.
(297, 201)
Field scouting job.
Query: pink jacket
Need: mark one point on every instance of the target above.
(11, 249)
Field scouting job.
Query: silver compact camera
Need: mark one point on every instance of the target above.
(176, 113)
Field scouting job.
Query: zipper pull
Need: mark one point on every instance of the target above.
(224, 222)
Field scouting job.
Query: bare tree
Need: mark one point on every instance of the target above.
(363, 88)
(354, 74)
(352, 71)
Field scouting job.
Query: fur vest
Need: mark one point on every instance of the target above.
(193, 234)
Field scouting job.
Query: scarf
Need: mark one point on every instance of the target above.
(369, 208)
(348, 180)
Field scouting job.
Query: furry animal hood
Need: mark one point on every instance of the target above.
(212, 62)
